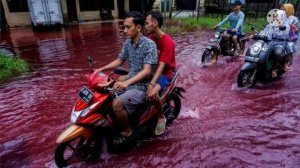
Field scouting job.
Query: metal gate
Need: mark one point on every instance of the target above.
(45, 12)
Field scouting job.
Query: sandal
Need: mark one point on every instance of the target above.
(161, 126)
(236, 53)
(120, 139)
(213, 61)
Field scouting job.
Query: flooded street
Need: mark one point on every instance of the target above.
(219, 124)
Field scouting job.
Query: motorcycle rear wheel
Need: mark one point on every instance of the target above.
(208, 56)
(76, 150)
(246, 78)
(173, 105)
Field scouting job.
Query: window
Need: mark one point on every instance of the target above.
(94, 5)
(107, 4)
(89, 5)
(17, 5)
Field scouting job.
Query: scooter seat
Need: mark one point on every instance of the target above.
(134, 118)
(243, 35)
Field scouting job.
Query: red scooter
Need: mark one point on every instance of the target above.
(93, 119)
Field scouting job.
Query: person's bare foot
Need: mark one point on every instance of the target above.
(213, 61)
(236, 53)
(286, 67)
(274, 74)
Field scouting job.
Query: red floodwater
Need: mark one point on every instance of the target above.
(219, 125)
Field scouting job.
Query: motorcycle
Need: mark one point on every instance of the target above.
(221, 46)
(93, 120)
(258, 61)
(106, 14)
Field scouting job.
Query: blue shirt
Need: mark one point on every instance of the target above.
(236, 21)
(139, 54)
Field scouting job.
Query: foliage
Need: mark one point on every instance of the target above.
(178, 25)
(10, 67)
(294, 2)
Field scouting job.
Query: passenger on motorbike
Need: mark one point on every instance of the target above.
(166, 66)
(236, 20)
(290, 12)
(295, 25)
(141, 54)
(279, 34)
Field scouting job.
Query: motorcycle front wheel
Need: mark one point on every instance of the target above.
(246, 78)
(172, 108)
(209, 56)
(76, 150)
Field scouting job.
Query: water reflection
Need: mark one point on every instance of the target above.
(219, 125)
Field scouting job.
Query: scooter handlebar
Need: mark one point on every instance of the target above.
(259, 36)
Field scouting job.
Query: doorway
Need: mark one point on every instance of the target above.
(3, 22)
(121, 8)
(72, 10)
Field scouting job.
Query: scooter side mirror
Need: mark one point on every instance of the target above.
(90, 61)
(282, 28)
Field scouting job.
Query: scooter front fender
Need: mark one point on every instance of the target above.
(248, 66)
(212, 48)
(74, 131)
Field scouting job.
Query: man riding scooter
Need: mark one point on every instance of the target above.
(236, 20)
(141, 54)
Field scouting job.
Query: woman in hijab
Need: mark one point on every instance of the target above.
(295, 26)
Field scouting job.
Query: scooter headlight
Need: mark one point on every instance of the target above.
(255, 48)
(78, 114)
(217, 34)
(84, 112)
(74, 116)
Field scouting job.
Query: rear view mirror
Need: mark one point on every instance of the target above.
(90, 61)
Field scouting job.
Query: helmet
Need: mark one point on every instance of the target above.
(276, 17)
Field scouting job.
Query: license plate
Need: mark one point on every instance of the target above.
(85, 94)
(252, 59)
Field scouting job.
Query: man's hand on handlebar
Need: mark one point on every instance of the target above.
(234, 30)
(120, 86)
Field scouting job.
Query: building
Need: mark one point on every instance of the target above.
(16, 12)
